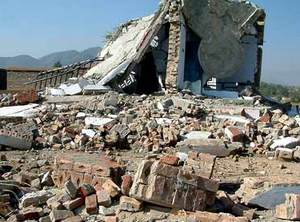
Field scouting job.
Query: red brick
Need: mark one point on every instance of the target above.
(266, 118)
(170, 160)
(86, 190)
(91, 204)
(235, 134)
(126, 184)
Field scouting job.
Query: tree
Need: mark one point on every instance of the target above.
(57, 65)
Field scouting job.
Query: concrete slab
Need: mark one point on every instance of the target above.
(67, 99)
(197, 135)
(276, 196)
(211, 146)
(19, 111)
(72, 90)
(287, 142)
(95, 121)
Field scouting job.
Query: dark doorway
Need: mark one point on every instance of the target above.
(147, 81)
(193, 71)
(3, 79)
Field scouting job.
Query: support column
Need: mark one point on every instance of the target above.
(174, 45)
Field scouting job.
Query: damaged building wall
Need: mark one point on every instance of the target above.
(174, 44)
(229, 45)
(185, 45)
(119, 53)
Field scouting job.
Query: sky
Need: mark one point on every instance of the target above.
(37, 28)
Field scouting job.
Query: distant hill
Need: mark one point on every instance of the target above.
(65, 58)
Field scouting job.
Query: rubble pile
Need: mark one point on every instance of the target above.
(20, 98)
(114, 154)
(141, 135)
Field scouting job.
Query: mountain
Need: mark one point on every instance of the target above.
(64, 57)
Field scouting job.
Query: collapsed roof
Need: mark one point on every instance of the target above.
(201, 45)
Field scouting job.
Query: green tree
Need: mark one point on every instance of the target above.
(57, 65)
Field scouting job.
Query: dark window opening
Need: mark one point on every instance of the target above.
(3, 79)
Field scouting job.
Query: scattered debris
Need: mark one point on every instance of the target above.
(89, 152)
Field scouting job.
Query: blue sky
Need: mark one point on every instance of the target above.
(39, 27)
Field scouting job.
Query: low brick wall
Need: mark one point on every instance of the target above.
(16, 80)
(86, 169)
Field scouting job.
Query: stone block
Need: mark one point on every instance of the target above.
(284, 154)
(201, 163)
(287, 142)
(172, 187)
(110, 187)
(103, 198)
(107, 211)
(59, 215)
(74, 204)
(290, 210)
(35, 198)
(71, 189)
(130, 204)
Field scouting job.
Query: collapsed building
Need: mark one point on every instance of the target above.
(210, 47)
(167, 157)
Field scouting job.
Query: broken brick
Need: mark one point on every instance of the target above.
(170, 160)
(235, 134)
(86, 190)
(59, 215)
(91, 204)
(130, 204)
(103, 198)
(74, 204)
(110, 187)
(126, 184)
